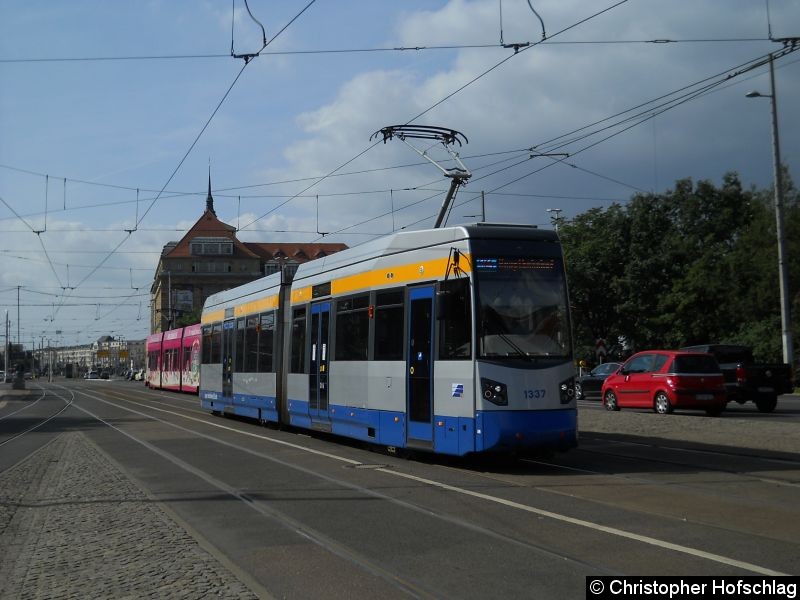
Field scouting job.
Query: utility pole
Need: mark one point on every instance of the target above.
(783, 271)
(5, 368)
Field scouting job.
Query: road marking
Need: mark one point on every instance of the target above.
(502, 501)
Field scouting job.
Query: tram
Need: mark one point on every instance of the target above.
(173, 359)
(453, 341)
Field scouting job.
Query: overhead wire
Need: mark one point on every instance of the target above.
(450, 95)
(290, 198)
(196, 139)
(639, 118)
(388, 49)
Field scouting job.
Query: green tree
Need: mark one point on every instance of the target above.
(694, 264)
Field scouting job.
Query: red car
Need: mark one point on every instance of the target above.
(667, 379)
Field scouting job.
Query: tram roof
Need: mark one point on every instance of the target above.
(394, 243)
(404, 241)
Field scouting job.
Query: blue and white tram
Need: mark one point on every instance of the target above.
(452, 340)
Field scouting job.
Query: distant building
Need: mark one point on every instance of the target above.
(209, 259)
(107, 353)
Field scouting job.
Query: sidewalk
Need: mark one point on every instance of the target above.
(72, 525)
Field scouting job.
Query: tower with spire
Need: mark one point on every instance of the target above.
(210, 198)
(209, 259)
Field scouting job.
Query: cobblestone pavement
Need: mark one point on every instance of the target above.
(72, 525)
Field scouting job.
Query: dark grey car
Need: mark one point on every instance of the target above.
(588, 386)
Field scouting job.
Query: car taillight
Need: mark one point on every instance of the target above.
(741, 377)
(671, 382)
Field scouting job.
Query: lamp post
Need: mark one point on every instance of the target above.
(783, 271)
(555, 219)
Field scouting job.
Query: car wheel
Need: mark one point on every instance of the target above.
(578, 391)
(661, 404)
(767, 405)
(610, 401)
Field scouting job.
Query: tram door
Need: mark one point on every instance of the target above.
(420, 364)
(228, 344)
(319, 338)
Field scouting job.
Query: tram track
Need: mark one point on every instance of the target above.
(425, 481)
(318, 537)
(43, 421)
(690, 464)
(703, 492)
(26, 406)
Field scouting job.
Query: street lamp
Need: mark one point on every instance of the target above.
(555, 219)
(783, 272)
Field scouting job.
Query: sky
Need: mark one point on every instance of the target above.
(112, 114)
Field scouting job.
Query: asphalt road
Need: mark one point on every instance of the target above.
(276, 513)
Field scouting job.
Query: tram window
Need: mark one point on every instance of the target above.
(251, 345)
(299, 340)
(455, 325)
(352, 328)
(239, 352)
(216, 344)
(266, 341)
(206, 344)
(388, 325)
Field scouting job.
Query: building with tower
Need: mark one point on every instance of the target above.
(209, 259)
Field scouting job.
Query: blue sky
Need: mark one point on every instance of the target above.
(110, 127)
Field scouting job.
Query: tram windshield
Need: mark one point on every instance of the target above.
(522, 303)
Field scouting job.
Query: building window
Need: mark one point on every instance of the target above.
(211, 247)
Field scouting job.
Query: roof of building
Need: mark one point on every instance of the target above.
(293, 251)
(209, 226)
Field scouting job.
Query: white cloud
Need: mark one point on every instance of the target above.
(296, 117)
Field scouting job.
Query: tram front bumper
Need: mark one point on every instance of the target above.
(519, 431)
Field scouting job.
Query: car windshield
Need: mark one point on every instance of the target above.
(606, 369)
(522, 307)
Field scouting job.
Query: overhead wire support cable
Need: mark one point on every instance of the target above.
(506, 59)
(193, 144)
(247, 57)
(643, 116)
(461, 88)
(46, 189)
(421, 48)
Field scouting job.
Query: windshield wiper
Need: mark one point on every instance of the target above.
(519, 351)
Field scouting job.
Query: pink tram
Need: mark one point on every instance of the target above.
(173, 359)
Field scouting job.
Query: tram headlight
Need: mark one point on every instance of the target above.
(566, 390)
(494, 391)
